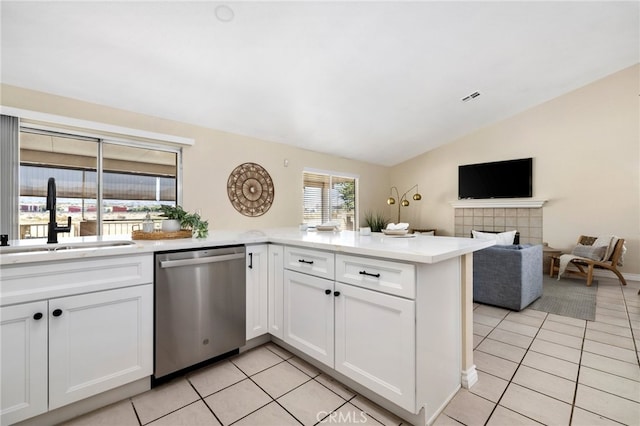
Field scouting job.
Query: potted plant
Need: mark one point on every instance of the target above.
(177, 218)
(376, 221)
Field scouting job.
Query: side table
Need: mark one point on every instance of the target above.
(550, 258)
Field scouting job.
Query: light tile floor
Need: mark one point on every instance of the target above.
(539, 368)
(533, 368)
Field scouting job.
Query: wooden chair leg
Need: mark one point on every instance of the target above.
(620, 277)
(552, 266)
(590, 276)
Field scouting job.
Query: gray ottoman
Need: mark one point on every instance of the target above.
(508, 276)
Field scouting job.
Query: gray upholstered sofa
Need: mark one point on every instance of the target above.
(508, 276)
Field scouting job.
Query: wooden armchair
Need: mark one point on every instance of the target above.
(585, 267)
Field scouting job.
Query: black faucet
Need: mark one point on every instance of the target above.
(54, 229)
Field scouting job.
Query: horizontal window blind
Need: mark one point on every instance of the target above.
(329, 198)
(106, 187)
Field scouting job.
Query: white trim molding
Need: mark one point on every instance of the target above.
(24, 114)
(469, 377)
(498, 203)
(602, 273)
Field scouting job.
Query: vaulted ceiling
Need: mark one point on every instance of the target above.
(380, 82)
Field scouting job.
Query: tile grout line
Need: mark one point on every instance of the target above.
(633, 336)
(575, 389)
(346, 401)
(556, 343)
(276, 399)
(202, 398)
(520, 364)
(600, 390)
(233, 384)
(516, 372)
(268, 394)
(135, 411)
(631, 330)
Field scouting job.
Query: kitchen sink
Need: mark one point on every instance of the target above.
(40, 248)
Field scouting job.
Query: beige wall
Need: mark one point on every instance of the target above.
(585, 145)
(209, 162)
(586, 150)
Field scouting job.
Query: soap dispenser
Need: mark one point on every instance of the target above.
(147, 223)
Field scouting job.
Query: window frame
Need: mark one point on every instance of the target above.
(100, 141)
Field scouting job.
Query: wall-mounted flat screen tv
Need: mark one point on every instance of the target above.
(498, 179)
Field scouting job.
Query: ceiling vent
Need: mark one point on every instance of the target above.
(471, 96)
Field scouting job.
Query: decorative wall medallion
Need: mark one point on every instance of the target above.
(250, 189)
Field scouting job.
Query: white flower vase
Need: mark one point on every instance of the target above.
(170, 225)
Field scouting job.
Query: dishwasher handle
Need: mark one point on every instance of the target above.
(199, 261)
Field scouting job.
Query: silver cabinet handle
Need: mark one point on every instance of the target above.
(200, 261)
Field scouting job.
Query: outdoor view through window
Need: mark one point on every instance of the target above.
(135, 180)
(329, 198)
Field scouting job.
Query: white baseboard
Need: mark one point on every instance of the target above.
(469, 377)
(87, 405)
(607, 274)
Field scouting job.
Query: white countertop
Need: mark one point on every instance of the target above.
(414, 248)
(419, 248)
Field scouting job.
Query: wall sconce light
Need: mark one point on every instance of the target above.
(402, 200)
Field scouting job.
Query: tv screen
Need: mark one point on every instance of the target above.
(499, 179)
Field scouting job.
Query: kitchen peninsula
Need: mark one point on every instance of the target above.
(389, 316)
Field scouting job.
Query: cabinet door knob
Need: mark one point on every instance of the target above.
(327, 291)
(37, 316)
(250, 260)
(57, 312)
(336, 293)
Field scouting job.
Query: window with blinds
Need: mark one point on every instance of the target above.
(106, 187)
(329, 198)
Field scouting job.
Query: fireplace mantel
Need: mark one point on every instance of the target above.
(509, 203)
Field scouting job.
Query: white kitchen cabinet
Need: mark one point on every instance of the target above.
(73, 329)
(375, 342)
(69, 348)
(99, 341)
(308, 315)
(363, 327)
(257, 290)
(23, 330)
(276, 290)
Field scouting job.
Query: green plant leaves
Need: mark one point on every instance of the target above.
(187, 220)
(376, 221)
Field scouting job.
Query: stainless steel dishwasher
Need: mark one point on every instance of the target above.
(200, 306)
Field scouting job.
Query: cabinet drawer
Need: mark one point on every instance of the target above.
(38, 281)
(308, 261)
(388, 277)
